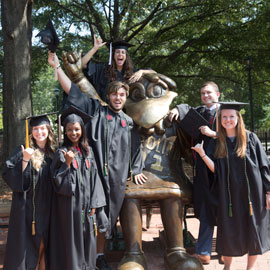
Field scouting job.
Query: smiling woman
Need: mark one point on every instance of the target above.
(242, 178)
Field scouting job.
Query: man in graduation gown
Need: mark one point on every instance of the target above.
(202, 197)
(115, 143)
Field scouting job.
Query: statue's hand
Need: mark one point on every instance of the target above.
(73, 65)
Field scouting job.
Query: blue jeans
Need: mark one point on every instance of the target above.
(204, 243)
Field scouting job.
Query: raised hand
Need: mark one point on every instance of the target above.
(98, 42)
(27, 153)
(69, 155)
(199, 149)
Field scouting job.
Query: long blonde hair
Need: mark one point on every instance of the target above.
(241, 141)
(50, 147)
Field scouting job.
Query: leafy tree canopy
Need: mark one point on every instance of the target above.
(190, 41)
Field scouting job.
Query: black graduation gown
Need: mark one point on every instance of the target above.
(22, 249)
(242, 233)
(98, 75)
(118, 145)
(78, 189)
(203, 188)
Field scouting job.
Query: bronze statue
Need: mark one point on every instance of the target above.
(164, 147)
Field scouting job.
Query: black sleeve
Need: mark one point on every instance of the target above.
(264, 164)
(61, 175)
(78, 99)
(13, 175)
(136, 152)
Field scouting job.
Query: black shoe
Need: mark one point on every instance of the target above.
(101, 263)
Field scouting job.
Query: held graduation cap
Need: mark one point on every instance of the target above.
(49, 37)
(191, 123)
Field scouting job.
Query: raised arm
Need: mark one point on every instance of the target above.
(207, 160)
(62, 77)
(98, 43)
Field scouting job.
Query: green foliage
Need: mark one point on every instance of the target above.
(190, 41)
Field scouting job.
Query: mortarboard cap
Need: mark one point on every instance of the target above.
(37, 120)
(191, 123)
(49, 37)
(121, 44)
(232, 105)
(74, 115)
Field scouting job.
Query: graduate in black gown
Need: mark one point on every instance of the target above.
(242, 170)
(78, 193)
(200, 123)
(27, 173)
(115, 143)
(120, 68)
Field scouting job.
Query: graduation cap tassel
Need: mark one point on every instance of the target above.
(26, 134)
(33, 228)
(230, 210)
(105, 169)
(250, 209)
(95, 228)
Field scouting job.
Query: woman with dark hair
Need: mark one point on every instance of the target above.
(78, 192)
(27, 173)
(242, 170)
(120, 67)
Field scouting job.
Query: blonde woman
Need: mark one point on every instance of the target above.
(27, 173)
(242, 170)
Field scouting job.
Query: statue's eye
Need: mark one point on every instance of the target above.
(137, 91)
(155, 90)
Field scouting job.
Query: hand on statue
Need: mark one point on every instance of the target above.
(199, 149)
(69, 155)
(173, 114)
(98, 42)
(140, 179)
(136, 76)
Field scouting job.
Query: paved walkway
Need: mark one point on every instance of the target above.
(154, 250)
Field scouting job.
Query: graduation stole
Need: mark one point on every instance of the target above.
(76, 164)
(228, 182)
(123, 123)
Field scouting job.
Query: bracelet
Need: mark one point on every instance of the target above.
(58, 66)
(25, 160)
(203, 156)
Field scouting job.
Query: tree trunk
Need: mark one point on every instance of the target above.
(17, 33)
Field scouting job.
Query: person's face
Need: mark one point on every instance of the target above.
(209, 96)
(120, 56)
(118, 99)
(74, 132)
(229, 119)
(40, 134)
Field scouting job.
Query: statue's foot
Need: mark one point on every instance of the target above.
(177, 259)
(133, 261)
